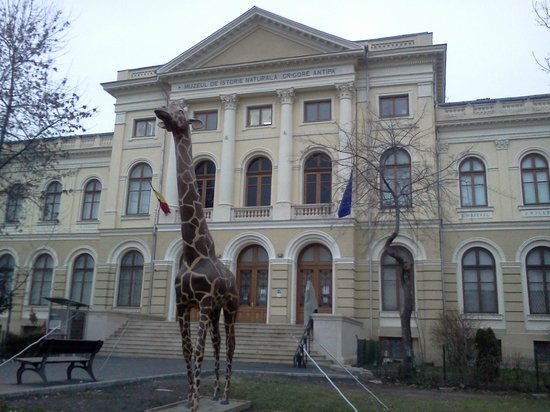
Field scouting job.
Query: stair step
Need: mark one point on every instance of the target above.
(255, 342)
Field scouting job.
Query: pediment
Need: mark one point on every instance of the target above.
(257, 36)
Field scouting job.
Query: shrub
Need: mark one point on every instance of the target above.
(13, 344)
(488, 356)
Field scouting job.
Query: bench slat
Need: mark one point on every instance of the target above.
(61, 348)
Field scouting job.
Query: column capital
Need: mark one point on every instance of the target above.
(229, 101)
(286, 95)
(345, 90)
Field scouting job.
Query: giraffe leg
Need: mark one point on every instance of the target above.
(216, 342)
(204, 320)
(229, 318)
(187, 346)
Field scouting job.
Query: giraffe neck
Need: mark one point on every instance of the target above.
(197, 240)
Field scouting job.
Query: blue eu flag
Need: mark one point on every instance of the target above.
(345, 204)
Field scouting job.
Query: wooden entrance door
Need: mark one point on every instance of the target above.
(315, 264)
(252, 281)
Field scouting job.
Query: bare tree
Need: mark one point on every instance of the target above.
(400, 186)
(542, 13)
(37, 105)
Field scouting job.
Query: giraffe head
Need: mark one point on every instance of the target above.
(174, 119)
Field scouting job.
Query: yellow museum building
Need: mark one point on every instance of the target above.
(276, 97)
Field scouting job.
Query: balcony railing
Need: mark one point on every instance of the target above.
(252, 213)
(312, 211)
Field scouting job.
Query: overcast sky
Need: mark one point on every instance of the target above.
(491, 44)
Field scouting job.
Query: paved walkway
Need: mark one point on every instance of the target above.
(116, 370)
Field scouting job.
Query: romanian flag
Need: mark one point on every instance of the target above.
(162, 201)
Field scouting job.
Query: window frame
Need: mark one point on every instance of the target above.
(91, 199)
(42, 278)
(263, 179)
(135, 273)
(404, 199)
(205, 116)
(317, 105)
(260, 108)
(321, 186)
(86, 273)
(143, 191)
(472, 184)
(534, 171)
(398, 291)
(52, 201)
(7, 272)
(544, 267)
(478, 267)
(14, 204)
(150, 129)
(394, 98)
(206, 183)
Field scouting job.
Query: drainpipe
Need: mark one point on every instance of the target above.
(440, 213)
(157, 209)
(369, 209)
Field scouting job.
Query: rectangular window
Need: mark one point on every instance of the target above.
(209, 119)
(317, 111)
(259, 116)
(394, 106)
(144, 128)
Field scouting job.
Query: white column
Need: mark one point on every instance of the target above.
(345, 93)
(170, 190)
(282, 209)
(222, 210)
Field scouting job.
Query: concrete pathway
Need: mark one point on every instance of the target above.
(118, 370)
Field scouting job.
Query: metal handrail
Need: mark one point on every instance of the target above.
(304, 346)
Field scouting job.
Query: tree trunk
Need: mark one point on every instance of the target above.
(406, 283)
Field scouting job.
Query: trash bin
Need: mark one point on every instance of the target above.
(361, 352)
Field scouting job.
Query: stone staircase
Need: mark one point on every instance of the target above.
(255, 342)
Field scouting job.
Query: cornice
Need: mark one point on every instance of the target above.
(350, 56)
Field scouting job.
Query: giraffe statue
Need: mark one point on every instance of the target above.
(203, 281)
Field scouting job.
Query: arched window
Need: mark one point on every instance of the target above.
(392, 289)
(318, 179)
(14, 205)
(83, 275)
(315, 264)
(395, 178)
(479, 281)
(7, 271)
(41, 282)
(130, 279)
(206, 181)
(139, 190)
(473, 188)
(90, 203)
(538, 279)
(258, 182)
(252, 280)
(52, 200)
(534, 179)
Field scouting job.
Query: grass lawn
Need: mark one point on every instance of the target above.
(275, 394)
(280, 394)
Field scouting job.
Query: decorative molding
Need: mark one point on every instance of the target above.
(502, 144)
(286, 95)
(345, 90)
(229, 101)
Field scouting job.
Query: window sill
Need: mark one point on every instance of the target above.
(475, 212)
(488, 317)
(534, 210)
(136, 217)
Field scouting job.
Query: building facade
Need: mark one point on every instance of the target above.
(277, 100)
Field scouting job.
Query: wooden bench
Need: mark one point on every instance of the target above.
(61, 351)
